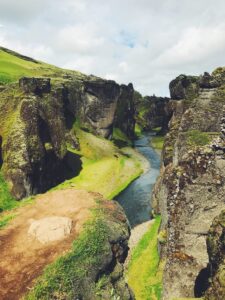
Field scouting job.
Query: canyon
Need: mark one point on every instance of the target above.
(67, 149)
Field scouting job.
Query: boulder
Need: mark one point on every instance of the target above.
(50, 229)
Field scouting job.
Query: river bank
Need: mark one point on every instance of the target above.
(136, 201)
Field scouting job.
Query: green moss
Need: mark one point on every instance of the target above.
(138, 130)
(197, 138)
(157, 129)
(7, 202)
(157, 142)
(120, 138)
(145, 270)
(64, 277)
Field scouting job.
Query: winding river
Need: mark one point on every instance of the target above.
(135, 199)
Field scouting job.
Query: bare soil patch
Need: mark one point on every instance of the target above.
(23, 257)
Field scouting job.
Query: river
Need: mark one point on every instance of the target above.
(136, 198)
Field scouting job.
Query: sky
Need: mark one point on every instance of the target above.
(146, 42)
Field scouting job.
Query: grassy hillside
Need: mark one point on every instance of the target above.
(13, 66)
(106, 169)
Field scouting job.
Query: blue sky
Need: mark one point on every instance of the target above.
(145, 42)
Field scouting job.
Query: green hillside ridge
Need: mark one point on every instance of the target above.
(14, 66)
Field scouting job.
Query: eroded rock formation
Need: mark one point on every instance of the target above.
(190, 190)
(153, 112)
(216, 251)
(37, 118)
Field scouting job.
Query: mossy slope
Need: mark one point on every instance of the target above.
(106, 169)
(145, 270)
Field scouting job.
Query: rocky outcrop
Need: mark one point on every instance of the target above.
(188, 87)
(37, 123)
(125, 112)
(190, 190)
(216, 252)
(184, 87)
(82, 238)
(153, 112)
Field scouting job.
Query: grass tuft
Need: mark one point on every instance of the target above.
(198, 138)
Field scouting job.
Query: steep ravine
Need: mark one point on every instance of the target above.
(142, 270)
(135, 199)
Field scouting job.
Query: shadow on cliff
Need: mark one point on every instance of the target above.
(52, 170)
(202, 282)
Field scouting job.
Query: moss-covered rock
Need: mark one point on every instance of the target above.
(36, 121)
(184, 87)
(216, 252)
(93, 268)
(190, 190)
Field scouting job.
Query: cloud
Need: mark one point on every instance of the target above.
(81, 39)
(146, 42)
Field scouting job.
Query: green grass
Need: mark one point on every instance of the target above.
(7, 202)
(145, 270)
(137, 130)
(4, 220)
(64, 276)
(106, 169)
(157, 129)
(157, 142)
(13, 67)
(197, 138)
(120, 137)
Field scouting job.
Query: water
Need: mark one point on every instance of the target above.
(135, 199)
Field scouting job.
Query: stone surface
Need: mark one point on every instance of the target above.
(184, 87)
(35, 85)
(190, 190)
(50, 229)
(152, 112)
(216, 251)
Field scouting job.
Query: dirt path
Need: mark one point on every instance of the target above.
(22, 257)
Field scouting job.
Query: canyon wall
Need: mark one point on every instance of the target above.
(190, 190)
(37, 116)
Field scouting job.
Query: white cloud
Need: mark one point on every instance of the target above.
(80, 39)
(146, 42)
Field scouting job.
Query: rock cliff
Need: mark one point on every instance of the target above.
(190, 190)
(216, 251)
(152, 112)
(36, 118)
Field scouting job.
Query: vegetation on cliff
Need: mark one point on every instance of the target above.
(145, 269)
